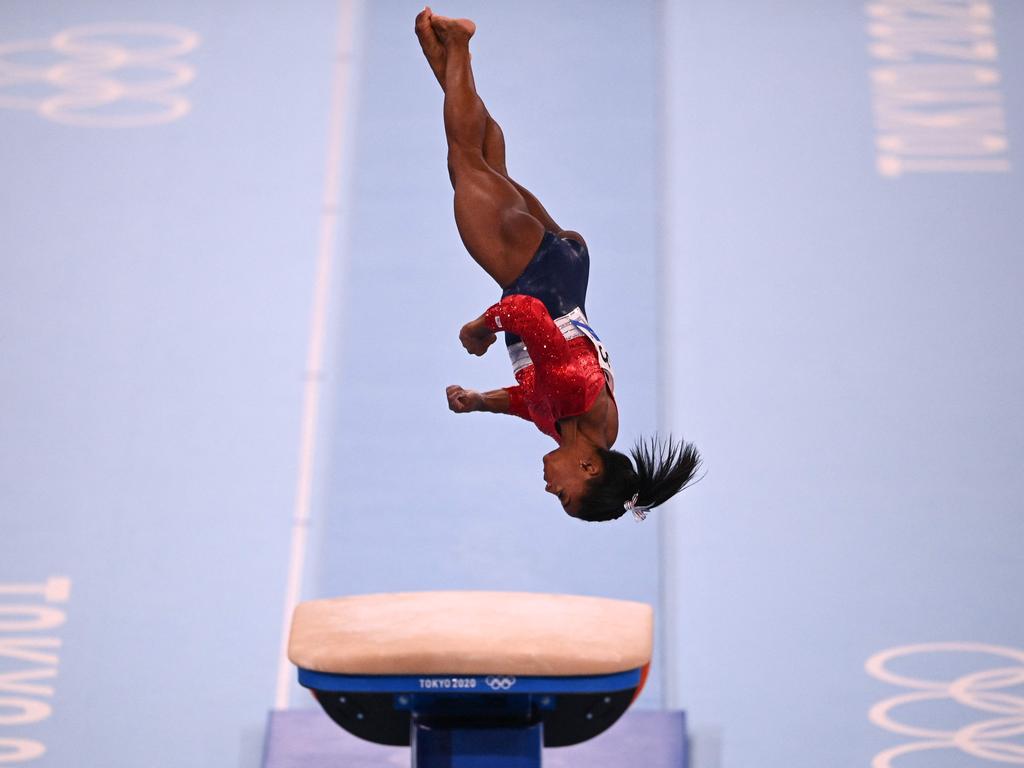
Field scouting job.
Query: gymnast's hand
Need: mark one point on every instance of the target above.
(464, 400)
(476, 337)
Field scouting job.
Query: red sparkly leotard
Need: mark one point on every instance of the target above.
(561, 376)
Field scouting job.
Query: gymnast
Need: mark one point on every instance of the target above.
(565, 381)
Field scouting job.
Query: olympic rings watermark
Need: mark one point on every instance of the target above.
(501, 683)
(992, 739)
(118, 74)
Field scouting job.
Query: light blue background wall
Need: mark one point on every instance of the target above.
(154, 285)
(846, 348)
(842, 346)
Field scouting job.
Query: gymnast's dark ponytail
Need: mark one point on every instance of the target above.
(663, 468)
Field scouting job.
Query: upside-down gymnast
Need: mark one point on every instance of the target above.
(565, 382)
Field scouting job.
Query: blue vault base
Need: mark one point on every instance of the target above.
(307, 738)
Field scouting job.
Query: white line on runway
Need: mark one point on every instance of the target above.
(329, 218)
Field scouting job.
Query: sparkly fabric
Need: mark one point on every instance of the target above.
(565, 378)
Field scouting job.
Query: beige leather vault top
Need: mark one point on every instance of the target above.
(471, 633)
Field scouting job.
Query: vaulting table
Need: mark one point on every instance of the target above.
(473, 679)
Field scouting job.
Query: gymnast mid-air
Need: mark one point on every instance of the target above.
(565, 381)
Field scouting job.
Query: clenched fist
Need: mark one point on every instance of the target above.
(464, 400)
(476, 337)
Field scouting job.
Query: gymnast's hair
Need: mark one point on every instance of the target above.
(663, 469)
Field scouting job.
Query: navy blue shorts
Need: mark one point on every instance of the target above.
(557, 275)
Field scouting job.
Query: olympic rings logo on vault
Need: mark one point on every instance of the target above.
(110, 75)
(994, 738)
(501, 683)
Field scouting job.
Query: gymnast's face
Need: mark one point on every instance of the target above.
(566, 474)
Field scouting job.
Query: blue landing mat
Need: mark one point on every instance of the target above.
(306, 738)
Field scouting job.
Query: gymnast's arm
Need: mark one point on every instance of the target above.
(468, 400)
(524, 316)
(510, 400)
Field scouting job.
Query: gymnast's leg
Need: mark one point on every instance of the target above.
(492, 216)
(494, 140)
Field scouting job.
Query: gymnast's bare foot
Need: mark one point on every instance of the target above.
(433, 48)
(452, 30)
